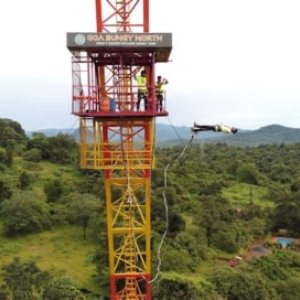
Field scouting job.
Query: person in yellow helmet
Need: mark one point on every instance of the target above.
(216, 128)
(159, 89)
(141, 81)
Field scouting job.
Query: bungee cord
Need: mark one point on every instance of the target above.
(165, 201)
(158, 268)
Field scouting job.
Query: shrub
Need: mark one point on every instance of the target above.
(24, 180)
(34, 155)
(23, 214)
(242, 285)
(53, 190)
(174, 286)
(248, 173)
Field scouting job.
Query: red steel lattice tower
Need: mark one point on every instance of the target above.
(116, 134)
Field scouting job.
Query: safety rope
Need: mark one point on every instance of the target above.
(72, 129)
(176, 132)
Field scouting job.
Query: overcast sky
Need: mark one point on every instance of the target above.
(235, 62)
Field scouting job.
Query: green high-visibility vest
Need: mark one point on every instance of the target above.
(141, 83)
(159, 88)
(222, 128)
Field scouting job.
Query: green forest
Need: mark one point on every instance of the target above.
(225, 206)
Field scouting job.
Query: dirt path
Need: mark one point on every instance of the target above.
(257, 250)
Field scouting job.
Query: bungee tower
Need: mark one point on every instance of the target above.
(117, 136)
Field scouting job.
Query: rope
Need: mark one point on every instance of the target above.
(72, 129)
(176, 132)
(158, 269)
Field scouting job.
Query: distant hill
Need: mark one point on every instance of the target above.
(272, 134)
(172, 135)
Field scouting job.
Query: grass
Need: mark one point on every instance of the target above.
(62, 251)
(40, 173)
(242, 194)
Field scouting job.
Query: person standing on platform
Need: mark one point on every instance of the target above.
(159, 89)
(141, 81)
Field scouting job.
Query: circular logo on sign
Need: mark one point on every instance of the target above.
(79, 39)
